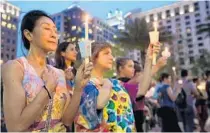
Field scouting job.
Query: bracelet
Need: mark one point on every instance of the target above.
(47, 92)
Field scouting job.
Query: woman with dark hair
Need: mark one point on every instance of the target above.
(167, 104)
(35, 94)
(65, 56)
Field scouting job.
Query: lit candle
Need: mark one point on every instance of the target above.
(86, 27)
(166, 53)
(174, 70)
(154, 38)
(155, 25)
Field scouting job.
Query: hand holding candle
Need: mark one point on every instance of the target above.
(154, 38)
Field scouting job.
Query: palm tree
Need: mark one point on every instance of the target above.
(136, 36)
(204, 28)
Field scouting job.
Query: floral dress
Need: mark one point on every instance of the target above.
(116, 116)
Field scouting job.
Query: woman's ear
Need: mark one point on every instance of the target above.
(28, 35)
(63, 54)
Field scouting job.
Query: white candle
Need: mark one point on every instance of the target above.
(86, 27)
(155, 25)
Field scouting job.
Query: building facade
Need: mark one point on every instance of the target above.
(9, 24)
(181, 20)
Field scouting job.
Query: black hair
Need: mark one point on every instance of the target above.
(184, 73)
(137, 67)
(29, 23)
(195, 80)
(120, 62)
(164, 76)
(60, 60)
(207, 73)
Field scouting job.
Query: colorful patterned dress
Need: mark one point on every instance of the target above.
(32, 85)
(116, 116)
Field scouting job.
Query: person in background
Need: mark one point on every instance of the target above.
(65, 56)
(105, 104)
(167, 104)
(201, 103)
(35, 95)
(131, 75)
(191, 92)
(208, 88)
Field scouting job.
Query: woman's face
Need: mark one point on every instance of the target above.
(71, 53)
(44, 35)
(128, 69)
(105, 59)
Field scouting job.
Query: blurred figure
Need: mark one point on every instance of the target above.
(167, 104)
(185, 108)
(201, 105)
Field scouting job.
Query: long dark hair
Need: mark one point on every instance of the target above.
(60, 60)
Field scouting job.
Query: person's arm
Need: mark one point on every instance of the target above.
(81, 80)
(194, 90)
(147, 76)
(162, 61)
(18, 115)
(173, 95)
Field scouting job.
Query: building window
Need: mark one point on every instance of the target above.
(168, 13)
(181, 53)
(190, 46)
(200, 44)
(189, 34)
(190, 52)
(13, 41)
(180, 42)
(189, 40)
(13, 50)
(7, 56)
(168, 21)
(200, 38)
(181, 60)
(197, 14)
(196, 6)
(188, 30)
(191, 60)
(13, 56)
(187, 17)
(187, 23)
(177, 19)
(2, 55)
(198, 21)
(186, 9)
(8, 40)
(73, 28)
(176, 11)
(169, 27)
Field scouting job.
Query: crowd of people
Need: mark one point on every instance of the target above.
(40, 97)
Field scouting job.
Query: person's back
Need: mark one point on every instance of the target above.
(188, 87)
(165, 99)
